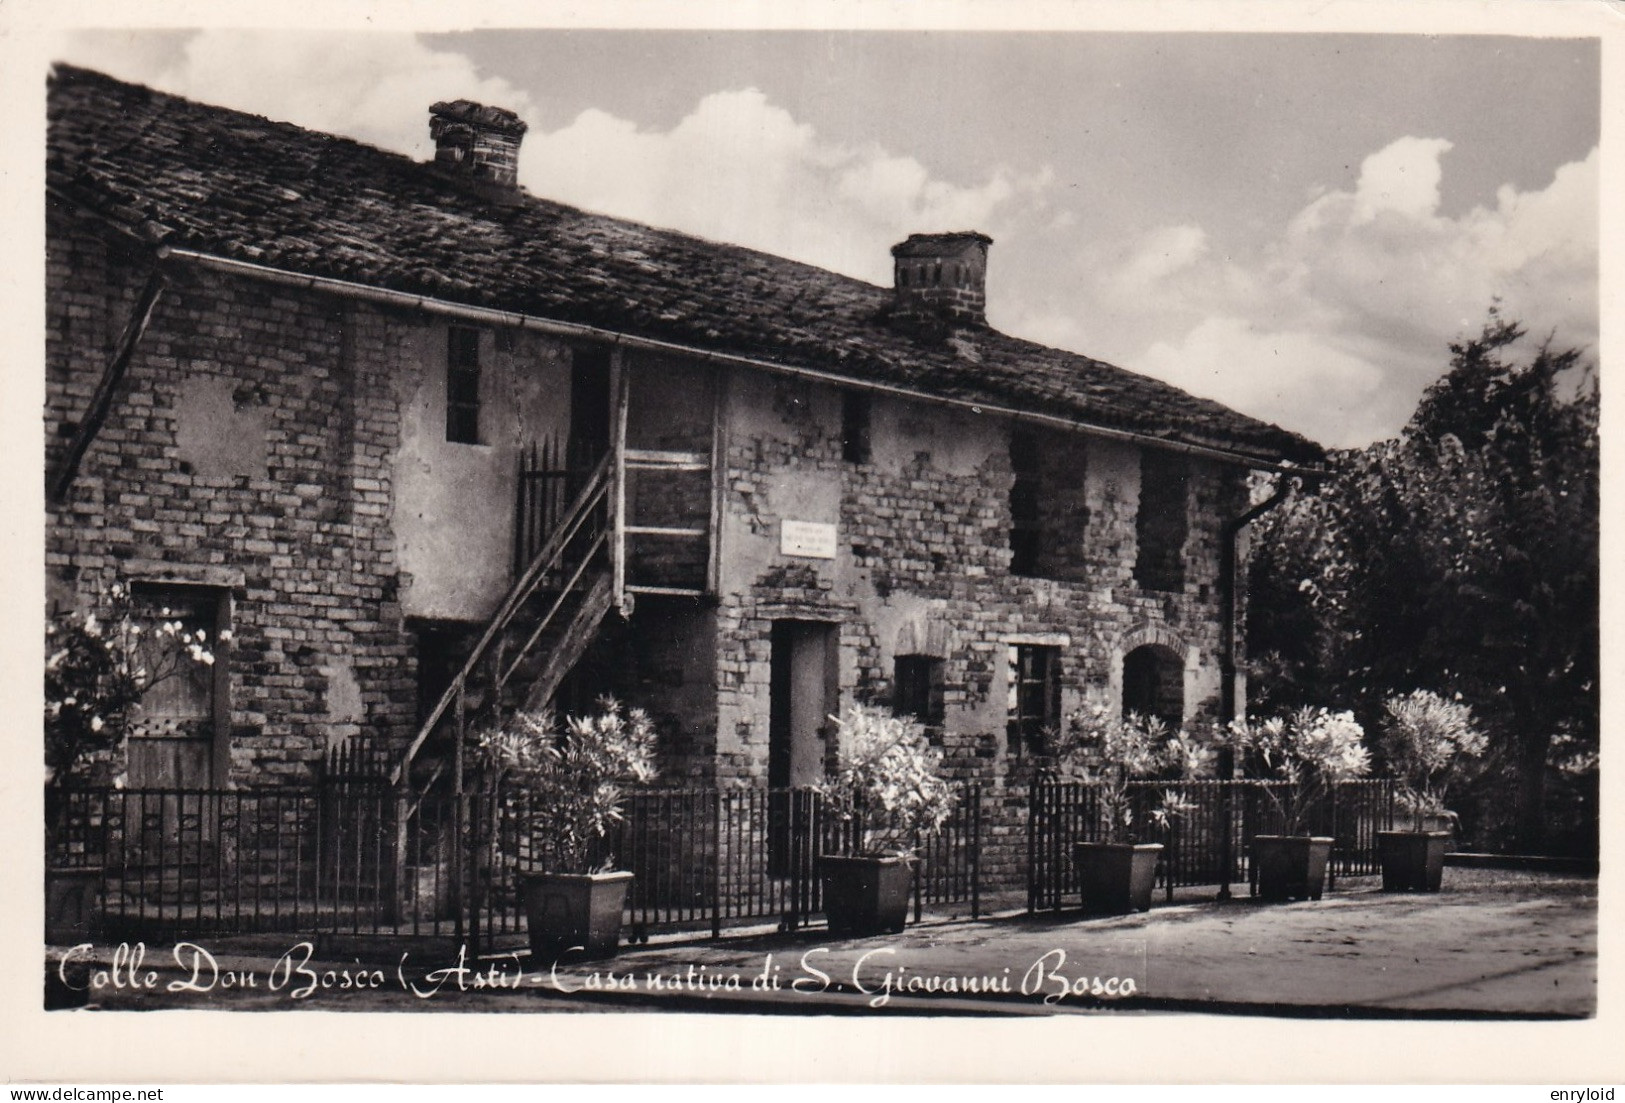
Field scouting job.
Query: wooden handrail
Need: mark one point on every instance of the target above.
(592, 495)
(547, 618)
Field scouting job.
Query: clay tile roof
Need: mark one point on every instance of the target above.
(204, 178)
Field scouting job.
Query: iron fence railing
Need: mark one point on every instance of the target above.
(355, 856)
(352, 855)
(1208, 841)
(715, 858)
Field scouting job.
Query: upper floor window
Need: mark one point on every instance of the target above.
(1035, 696)
(1026, 503)
(918, 684)
(463, 385)
(855, 438)
(1162, 523)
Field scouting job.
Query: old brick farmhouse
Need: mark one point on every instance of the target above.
(422, 441)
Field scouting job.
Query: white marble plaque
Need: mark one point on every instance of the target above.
(807, 539)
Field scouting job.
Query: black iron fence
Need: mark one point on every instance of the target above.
(1207, 838)
(351, 856)
(706, 859)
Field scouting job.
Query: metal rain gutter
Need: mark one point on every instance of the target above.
(490, 315)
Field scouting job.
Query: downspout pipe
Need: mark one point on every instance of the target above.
(1230, 603)
(1230, 597)
(101, 403)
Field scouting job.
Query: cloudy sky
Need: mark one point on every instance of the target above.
(1296, 225)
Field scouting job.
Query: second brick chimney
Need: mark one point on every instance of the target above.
(940, 281)
(476, 142)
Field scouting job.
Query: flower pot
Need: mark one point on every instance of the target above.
(576, 914)
(72, 903)
(866, 895)
(1412, 861)
(1116, 878)
(1291, 867)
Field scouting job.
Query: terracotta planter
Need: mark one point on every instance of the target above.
(1412, 861)
(865, 896)
(574, 914)
(72, 904)
(1291, 867)
(1116, 878)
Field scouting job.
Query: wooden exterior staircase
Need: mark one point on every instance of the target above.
(538, 632)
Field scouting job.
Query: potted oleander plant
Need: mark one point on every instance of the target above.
(569, 785)
(1115, 754)
(1308, 752)
(1426, 740)
(888, 786)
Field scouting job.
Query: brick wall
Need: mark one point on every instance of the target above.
(922, 567)
(286, 448)
(294, 523)
(302, 504)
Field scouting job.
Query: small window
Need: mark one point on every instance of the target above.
(918, 683)
(1154, 684)
(1025, 505)
(1161, 523)
(1035, 696)
(463, 385)
(855, 408)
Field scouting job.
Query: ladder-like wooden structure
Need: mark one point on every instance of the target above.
(542, 626)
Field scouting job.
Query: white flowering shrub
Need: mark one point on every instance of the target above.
(889, 780)
(572, 780)
(1099, 745)
(1426, 738)
(98, 666)
(1312, 749)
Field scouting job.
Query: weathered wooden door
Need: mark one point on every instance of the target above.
(805, 682)
(803, 691)
(172, 744)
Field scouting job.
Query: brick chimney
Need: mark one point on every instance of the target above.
(477, 143)
(940, 281)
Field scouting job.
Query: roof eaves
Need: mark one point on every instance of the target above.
(434, 304)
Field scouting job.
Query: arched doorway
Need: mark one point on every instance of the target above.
(1154, 683)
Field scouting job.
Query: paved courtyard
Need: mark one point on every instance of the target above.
(1494, 944)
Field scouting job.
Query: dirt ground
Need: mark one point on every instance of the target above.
(1493, 944)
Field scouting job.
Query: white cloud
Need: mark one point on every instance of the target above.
(737, 168)
(1163, 252)
(1403, 178)
(741, 169)
(1229, 359)
(375, 87)
(1336, 325)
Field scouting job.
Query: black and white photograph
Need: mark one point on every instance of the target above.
(814, 524)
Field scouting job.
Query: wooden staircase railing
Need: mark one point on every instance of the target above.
(565, 562)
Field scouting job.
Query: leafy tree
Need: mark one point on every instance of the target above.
(1459, 557)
